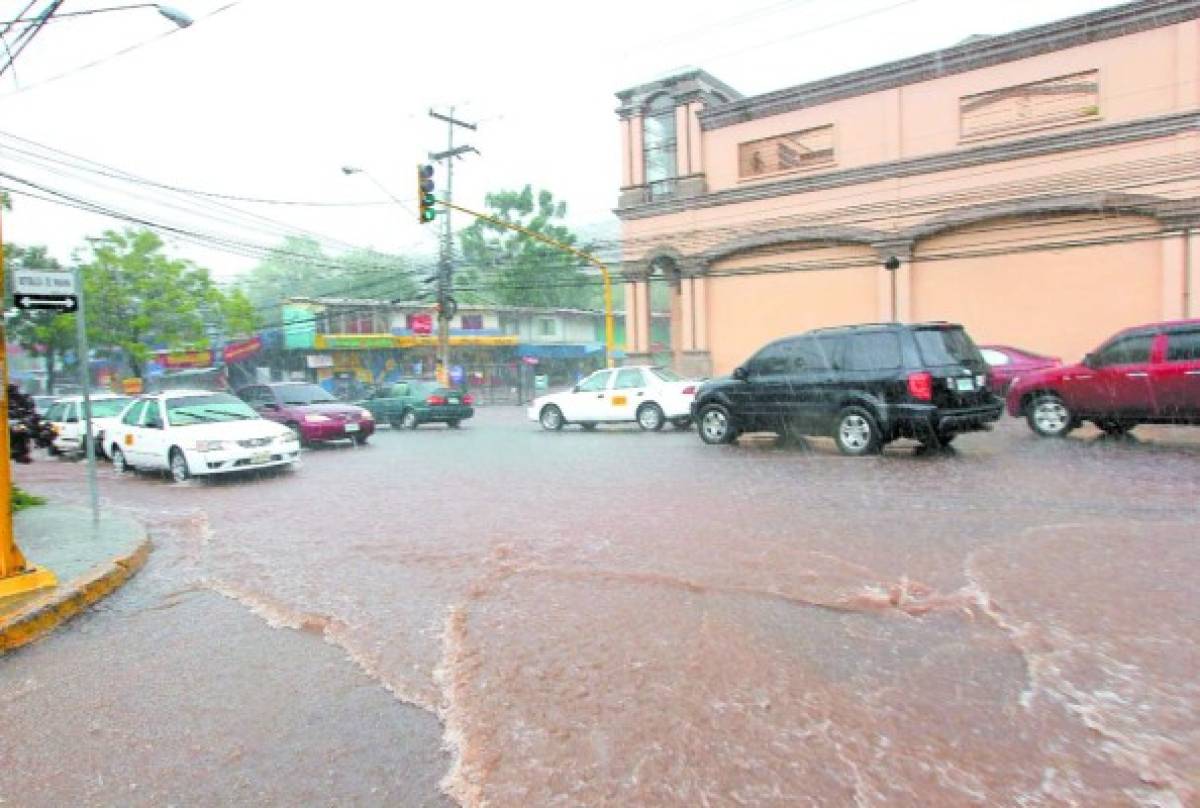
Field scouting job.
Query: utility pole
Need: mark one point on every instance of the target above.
(447, 306)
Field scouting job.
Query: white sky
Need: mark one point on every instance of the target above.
(269, 98)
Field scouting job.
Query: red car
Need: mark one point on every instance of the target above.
(1008, 364)
(1149, 374)
(311, 411)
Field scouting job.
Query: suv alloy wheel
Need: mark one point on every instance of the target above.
(856, 433)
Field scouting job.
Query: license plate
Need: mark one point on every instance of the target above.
(351, 427)
(453, 400)
(964, 385)
(260, 457)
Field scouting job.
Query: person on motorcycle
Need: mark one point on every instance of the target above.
(22, 424)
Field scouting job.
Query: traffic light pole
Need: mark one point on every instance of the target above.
(17, 576)
(445, 274)
(591, 259)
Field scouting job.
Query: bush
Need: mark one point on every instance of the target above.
(22, 500)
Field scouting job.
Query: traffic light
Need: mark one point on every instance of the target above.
(425, 200)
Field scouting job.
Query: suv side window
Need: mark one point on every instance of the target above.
(834, 349)
(133, 415)
(1183, 346)
(806, 355)
(879, 350)
(773, 360)
(1131, 350)
(55, 412)
(399, 390)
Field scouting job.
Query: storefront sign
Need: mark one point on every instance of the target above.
(315, 361)
(365, 342)
(421, 323)
(185, 359)
(239, 351)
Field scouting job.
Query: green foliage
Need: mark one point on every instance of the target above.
(22, 500)
(300, 268)
(41, 333)
(516, 270)
(139, 298)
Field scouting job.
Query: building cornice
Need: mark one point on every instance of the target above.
(1107, 23)
(1084, 138)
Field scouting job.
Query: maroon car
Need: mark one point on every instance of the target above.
(310, 410)
(1007, 364)
(1149, 374)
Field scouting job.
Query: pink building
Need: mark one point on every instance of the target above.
(1040, 187)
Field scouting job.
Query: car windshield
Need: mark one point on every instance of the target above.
(666, 374)
(301, 394)
(108, 407)
(946, 346)
(188, 410)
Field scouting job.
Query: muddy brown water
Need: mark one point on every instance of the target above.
(617, 618)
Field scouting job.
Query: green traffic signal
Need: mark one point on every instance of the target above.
(425, 197)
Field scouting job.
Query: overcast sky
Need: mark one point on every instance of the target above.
(269, 98)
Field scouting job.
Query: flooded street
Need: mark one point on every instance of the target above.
(513, 617)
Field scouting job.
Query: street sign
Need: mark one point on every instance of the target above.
(36, 289)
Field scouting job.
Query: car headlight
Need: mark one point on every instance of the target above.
(210, 445)
(317, 419)
(980, 380)
(366, 415)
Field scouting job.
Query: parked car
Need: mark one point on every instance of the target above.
(197, 433)
(66, 418)
(1009, 363)
(310, 411)
(1148, 374)
(649, 395)
(408, 403)
(865, 385)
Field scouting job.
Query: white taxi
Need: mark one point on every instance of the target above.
(649, 395)
(66, 418)
(197, 432)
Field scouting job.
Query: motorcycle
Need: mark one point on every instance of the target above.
(19, 438)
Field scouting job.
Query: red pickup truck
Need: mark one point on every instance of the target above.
(1149, 374)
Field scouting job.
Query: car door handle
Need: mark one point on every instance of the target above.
(1191, 373)
(1137, 375)
(599, 395)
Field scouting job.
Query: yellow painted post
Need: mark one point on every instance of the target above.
(591, 259)
(16, 575)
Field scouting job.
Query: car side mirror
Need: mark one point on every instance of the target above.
(741, 374)
(270, 406)
(74, 419)
(575, 389)
(1089, 360)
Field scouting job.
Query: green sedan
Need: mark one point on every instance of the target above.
(408, 403)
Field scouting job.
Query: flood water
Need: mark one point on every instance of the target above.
(617, 618)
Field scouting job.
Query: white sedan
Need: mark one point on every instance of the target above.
(647, 394)
(66, 418)
(196, 432)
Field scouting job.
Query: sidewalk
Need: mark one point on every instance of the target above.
(89, 559)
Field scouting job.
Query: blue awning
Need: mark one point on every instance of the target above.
(558, 351)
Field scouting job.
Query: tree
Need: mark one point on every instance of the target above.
(516, 270)
(300, 267)
(139, 299)
(43, 333)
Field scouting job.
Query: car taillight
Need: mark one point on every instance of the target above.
(435, 400)
(690, 390)
(468, 399)
(920, 386)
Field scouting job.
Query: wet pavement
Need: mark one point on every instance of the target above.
(616, 618)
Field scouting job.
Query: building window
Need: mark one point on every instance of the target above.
(547, 327)
(509, 325)
(472, 322)
(783, 153)
(1066, 99)
(658, 146)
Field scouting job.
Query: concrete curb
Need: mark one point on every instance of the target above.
(46, 612)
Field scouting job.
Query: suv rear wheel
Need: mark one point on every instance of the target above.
(1049, 416)
(715, 424)
(856, 433)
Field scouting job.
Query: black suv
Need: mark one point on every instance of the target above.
(865, 385)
